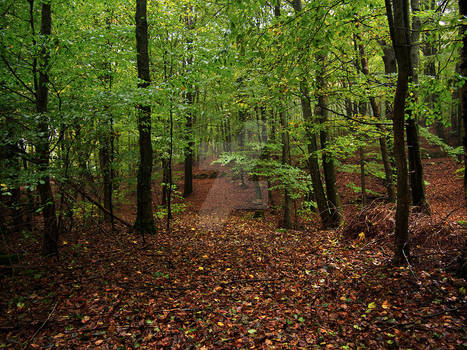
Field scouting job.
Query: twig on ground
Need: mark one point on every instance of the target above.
(42, 325)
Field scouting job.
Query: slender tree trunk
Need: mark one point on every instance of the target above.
(329, 170)
(165, 180)
(390, 68)
(188, 162)
(399, 29)
(144, 219)
(417, 182)
(190, 100)
(107, 139)
(170, 178)
(429, 51)
(272, 137)
(321, 201)
(286, 161)
(106, 165)
(382, 141)
(285, 147)
(463, 89)
(262, 156)
(50, 243)
(362, 108)
(313, 164)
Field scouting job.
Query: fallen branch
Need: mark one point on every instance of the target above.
(450, 213)
(406, 324)
(253, 280)
(98, 205)
(42, 325)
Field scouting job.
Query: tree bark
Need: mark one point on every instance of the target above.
(362, 109)
(188, 162)
(106, 156)
(321, 201)
(286, 161)
(144, 218)
(417, 182)
(285, 147)
(399, 29)
(50, 239)
(107, 140)
(329, 170)
(190, 100)
(313, 165)
(165, 180)
(382, 141)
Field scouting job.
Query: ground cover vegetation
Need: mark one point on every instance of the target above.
(233, 174)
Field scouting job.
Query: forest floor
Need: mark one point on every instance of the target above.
(222, 279)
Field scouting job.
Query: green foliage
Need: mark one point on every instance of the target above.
(358, 189)
(242, 64)
(435, 140)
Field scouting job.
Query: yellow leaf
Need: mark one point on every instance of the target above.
(220, 324)
(371, 305)
(201, 268)
(385, 305)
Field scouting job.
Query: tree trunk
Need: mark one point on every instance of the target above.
(50, 243)
(144, 219)
(362, 108)
(463, 89)
(382, 141)
(107, 139)
(286, 161)
(285, 147)
(106, 165)
(417, 182)
(329, 170)
(399, 29)
(165, 180)
(321, 201)
(188, 162)
(190, 100)
(313, 164)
